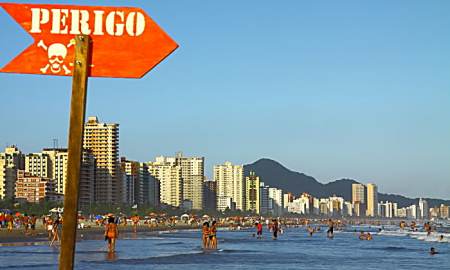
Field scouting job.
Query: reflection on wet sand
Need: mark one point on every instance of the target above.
(23, 244)
(111, 256)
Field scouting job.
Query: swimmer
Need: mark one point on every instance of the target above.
(433, 251)
(310, 230)
(362, 236)
(441, 238)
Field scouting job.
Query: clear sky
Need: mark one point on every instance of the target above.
(333, 89)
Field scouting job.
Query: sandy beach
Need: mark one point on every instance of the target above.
(18, 236)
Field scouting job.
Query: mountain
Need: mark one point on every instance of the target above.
(274, 174)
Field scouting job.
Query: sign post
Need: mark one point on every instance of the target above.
(75, 152)
(82, 42)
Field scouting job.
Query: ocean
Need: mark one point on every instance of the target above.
(294, 249)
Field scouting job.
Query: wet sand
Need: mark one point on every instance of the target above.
(39, 236)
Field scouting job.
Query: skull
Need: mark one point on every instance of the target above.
(57, 52)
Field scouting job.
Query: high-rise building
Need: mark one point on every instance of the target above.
(10, 161)
(444, 211)
(103, 140)
(57, 162)
(299, 205)
(287, 199)
(132, 185)
(252, 193)
(38, 164)
(263, 199)
(86, 194)
(348, 209)
(411, 211)
(372, 200)
(230, 184)
(193, 174)
(424, 211)
(165, 170)
(387, 209)
(35, 189)
(358, 199)
(276, 201)
(210, 195)
(335, 206)
(151, 188)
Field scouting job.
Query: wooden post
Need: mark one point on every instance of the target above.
(75, 152)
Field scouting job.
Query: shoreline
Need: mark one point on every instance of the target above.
(18, 237)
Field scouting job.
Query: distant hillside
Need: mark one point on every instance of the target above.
(274, 174)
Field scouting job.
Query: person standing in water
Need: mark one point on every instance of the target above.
(213, 235)
(111, 233)
(330, 232)
(275, 229)
(259, 229)
(205, 234)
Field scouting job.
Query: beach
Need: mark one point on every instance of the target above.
(94, 232)
(239, 249)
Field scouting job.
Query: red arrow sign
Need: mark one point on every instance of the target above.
(127, 43)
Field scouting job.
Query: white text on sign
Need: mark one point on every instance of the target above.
(76, 22)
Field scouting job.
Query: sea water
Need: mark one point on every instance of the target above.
(295, 249)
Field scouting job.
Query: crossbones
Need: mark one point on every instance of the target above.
(56, 53)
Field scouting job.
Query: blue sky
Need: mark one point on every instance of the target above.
(333, 89)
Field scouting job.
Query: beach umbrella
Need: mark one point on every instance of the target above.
(17, 214)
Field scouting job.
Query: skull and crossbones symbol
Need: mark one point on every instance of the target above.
(56, 53)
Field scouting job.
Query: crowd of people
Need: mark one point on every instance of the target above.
(9, 221)
(52, 224)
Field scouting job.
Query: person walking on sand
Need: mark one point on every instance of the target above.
(111, 234)
(25, 223)
(49, 227)
(135, 220)
(9, 222)
(55, 231)
(33, 221)
(205, 234)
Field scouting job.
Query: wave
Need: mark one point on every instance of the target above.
(32, 266)
(168, 244)
(392, 249)
(163, 259)
(423, 236)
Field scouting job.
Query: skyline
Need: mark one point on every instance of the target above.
(353, 91)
